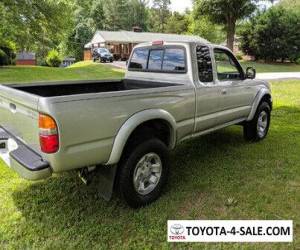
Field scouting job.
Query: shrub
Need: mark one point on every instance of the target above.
(239, 56)
(3, 58)
(297, 61)
(53, 58)
(272, 35)
(7, 54)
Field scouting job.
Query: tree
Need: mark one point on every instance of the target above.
(35, 25)
(97, 14)
(138, 14)
(177, 23)
(203, 27)
(272, 35)
(225, 12)
(117, 15)
(160, 13)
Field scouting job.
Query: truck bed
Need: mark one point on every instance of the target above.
(85, 87)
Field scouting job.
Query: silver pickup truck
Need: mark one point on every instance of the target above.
(171, 92)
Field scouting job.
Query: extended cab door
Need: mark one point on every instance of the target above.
(208, 93)
(237, 93)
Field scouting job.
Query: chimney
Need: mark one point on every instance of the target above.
(137, 29)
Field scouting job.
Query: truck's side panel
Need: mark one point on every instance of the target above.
(87, 127)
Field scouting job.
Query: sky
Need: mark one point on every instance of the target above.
(181, 5)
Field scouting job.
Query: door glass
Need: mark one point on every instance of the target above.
(204, 64)
(227, 68)
(155, 59)
(139, 59)
(174, 60)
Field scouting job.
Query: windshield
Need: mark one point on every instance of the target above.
(103, 50)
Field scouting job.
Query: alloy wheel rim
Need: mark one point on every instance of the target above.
(147, 173)
(262, 124)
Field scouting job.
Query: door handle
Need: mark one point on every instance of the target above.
(224, 91)
(13, 107)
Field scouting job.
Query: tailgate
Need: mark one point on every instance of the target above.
(19, 115)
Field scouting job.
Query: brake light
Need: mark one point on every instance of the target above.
(158, 43)
(48, 133)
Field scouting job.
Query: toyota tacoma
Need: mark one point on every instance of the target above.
(125, 129)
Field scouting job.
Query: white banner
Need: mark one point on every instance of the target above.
(230, 231)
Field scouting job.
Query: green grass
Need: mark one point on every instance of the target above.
(79, 71)
(262, 178)
(271, 67)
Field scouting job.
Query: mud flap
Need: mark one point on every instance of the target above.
(105, 179)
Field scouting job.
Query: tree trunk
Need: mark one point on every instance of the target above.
(230, 34)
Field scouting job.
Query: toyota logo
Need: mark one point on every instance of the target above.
(177, 229)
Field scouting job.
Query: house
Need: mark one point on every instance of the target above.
(25, 58)
(121, 43)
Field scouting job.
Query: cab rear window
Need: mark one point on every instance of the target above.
(139, 59)
(166, 59)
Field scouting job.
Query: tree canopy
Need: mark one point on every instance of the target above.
(67, 25)
(273, 35)
(225, 12)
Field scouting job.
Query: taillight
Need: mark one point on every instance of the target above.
(49, 141)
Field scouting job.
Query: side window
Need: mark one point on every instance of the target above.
(174, 60)
(204, 64)
(168, 59)
(139, 59)
(227, 67)
(155, 59)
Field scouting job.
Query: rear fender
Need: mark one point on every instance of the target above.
(132, 123)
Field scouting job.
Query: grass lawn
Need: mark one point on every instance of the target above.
(273, 67)
(88, 70)
(79, 71)
(262, 179)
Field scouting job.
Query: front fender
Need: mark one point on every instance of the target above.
(263, 92)
(132, 123)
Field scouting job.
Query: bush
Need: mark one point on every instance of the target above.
(297, 61)
(239, 56)
(53, 58)
(7, 52)
(3, 58)
(272, 35)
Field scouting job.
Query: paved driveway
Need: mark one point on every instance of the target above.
(278, 76)
(118, 64)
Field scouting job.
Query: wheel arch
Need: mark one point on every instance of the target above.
(135, 122)
(263, 95)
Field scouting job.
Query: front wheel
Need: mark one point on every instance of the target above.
(143, 173)
(258, 128)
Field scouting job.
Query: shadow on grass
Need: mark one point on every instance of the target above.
(69, 208)
(65, 196)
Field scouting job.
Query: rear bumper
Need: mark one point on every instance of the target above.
(26, 162)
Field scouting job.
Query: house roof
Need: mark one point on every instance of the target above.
(139, 37)
(25, 56)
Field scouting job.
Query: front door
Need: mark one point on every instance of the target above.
(208, 94)
(237, 94)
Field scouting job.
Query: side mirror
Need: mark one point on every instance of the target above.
(250, 73)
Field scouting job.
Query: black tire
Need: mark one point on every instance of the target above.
(251, 131)
(127, 170)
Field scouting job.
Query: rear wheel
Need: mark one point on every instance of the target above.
(258, 128)
(143, 172)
